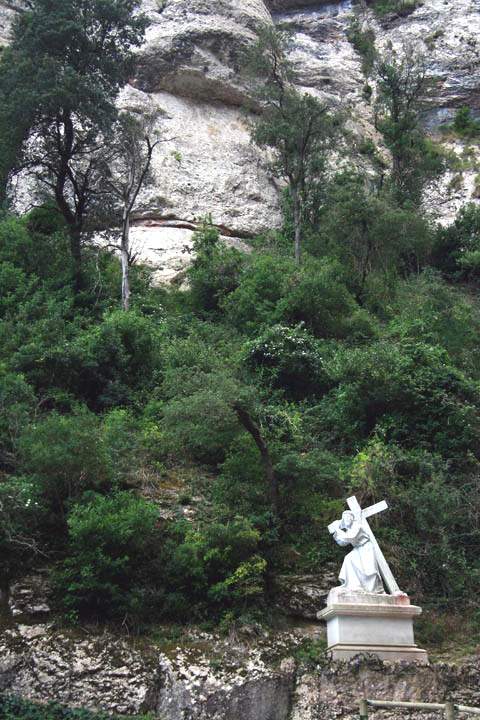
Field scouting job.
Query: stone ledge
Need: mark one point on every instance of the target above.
(359, 610)
(392, 653)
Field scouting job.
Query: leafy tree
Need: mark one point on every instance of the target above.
(402, 90)
(59, 79)
(128, 160)
(17, 402)
(289, 359)
(371, 236)
(297, 127)
(214, 272)
(464, 123)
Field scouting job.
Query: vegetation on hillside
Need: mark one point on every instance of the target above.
(13, 708)
(277, 383)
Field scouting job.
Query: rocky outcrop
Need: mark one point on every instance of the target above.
(189, 70)
(252, 674)
(193, 48)
(8, 9)
(302, 595)
(209, 678)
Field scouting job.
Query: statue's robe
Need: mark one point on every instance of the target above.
(360, 569)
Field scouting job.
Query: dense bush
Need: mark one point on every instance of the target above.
(408, 392)
(21, 520)
(221, 566)
(64, 455)
(110, 543)
(457, 249)
(15, 708)
(289, 359)
(356, 370)
(214, 272)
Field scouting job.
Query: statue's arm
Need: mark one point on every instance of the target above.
(340, 537)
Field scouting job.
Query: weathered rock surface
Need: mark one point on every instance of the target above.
(302, 595)
(189, 69)
(209, 678)
(30, 598)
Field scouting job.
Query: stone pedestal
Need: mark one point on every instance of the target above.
(380, 625)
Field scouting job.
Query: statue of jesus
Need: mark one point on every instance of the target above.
(360, 571)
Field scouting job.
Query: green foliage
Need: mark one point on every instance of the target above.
(402, 90)
(21, 517)
(464, 124)
(356, 370)
(410, 393)
(240, 488)
(214, 271)
(399, 7)
(64, 455)
(371, 236)
(221, 565)
(435, 533)
(15, 708)
(289, 359)
(363, 40)
(457, 248)
(17, 402)
(272, 289)
(296, 127)
(199, 419)
(110, 541)
(59, 79)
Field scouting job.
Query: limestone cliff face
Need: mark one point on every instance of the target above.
(189, 69)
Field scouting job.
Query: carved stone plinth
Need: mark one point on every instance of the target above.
(380, 625)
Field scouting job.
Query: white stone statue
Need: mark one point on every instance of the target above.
(360, 572)
(365, 566)
(361, 616)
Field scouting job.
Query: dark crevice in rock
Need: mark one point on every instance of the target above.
(171, 221)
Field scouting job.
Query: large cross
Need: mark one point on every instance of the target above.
(361, 517)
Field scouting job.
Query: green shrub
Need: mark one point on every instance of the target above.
(464, 124)
(17, 402)
(262, 284)
(111, 541)
(318, 297)
(410, 392)
(15, 708)
(399, 7)
(214, 272)
(457, 246)
(220, 566)
(289, 359)
(240, 486)
(65, 454)
(363, 40)
(201, 422)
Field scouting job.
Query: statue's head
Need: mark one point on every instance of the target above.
(347, 519)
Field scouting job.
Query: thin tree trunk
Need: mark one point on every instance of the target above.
(270, 475)
(125, 251)
(297, 223)
(76, 251)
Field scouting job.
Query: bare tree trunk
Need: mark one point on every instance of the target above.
(270, 475)
(76, 252)
(297, 223)
(125, 252)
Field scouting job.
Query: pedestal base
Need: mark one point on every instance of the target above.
(381, 625)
